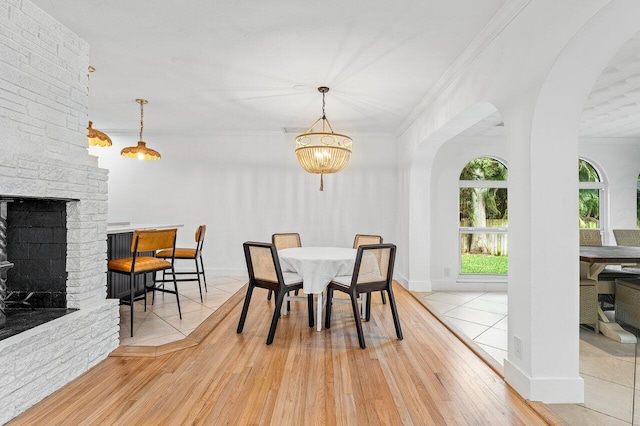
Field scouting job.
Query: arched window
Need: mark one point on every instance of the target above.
(483, 217)
(638, 202)
(589, 196)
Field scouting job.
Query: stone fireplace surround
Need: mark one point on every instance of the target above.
(43, 154)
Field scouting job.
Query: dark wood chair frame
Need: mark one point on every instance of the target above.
(279, 288)
(273, 241)
(132, 279)
(355, 289)
(355, 246)
(199, 237)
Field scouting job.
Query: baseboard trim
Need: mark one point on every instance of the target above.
(549, 390)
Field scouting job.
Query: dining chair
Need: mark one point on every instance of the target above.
(373, 271)
(264, 271)
(590, 237)
(362, 239)
(194, 254)
(285, 241)
(589, 304)
(144, 245)
(627, 237)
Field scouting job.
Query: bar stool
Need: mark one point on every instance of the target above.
(194, 254)
(142, 263)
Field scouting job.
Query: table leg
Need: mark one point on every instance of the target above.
(613, 330)
(320, 297)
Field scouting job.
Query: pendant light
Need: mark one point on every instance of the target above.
(94, 136)
(324, 151)
(140, 151)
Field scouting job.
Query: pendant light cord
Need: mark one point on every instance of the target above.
(141, 119)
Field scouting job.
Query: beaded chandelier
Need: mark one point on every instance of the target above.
(324, 151)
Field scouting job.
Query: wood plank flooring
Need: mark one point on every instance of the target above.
(304, 378)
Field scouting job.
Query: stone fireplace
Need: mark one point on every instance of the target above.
(43, 156)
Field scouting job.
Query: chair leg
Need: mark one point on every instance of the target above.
(310, 307)
(276, 316)
(175, 286)
(198, 275)
(356, 316)
(132, 285)
(368, 315)
(384, 298)
(204, 277)
(245, 309)
(394, 312)
(327, 313)
(269, 295)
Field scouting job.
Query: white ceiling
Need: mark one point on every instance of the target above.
(613, 107)
(255, 65)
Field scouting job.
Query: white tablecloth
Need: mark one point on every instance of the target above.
(317, 265)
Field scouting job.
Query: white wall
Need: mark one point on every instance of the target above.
(248, 186)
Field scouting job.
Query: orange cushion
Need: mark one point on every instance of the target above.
(181, 253)
(143, 264)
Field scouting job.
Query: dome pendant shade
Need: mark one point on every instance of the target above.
(140, 151)
(323, 152)
(96, 137)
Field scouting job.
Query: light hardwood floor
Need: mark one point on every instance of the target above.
(304, 377)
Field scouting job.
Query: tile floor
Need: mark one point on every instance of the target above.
(609, 369)
(161, 323)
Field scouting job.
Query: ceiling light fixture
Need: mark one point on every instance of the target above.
(140, 151)
(94, 136)
(324, 151)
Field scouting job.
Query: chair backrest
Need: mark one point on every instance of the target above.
(374, 264)
(362, 239)
(283, 241)
(152, 240)
(590, 237)
(627, 237)
(202, 229)
(262, 262)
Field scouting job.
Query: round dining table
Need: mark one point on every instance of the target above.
(317, 266)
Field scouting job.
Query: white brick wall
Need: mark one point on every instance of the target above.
(43, 153)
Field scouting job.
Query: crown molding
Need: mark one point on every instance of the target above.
(494, 27)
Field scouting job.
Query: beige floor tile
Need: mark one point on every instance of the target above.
(454, 298)
(503, 324)
(190, 320)
(496, 297)
(439, 307)
(149, 329)
(600, 345)
(216, 281)
(607, 367)
(470, 329)
(474, 315)
(608, 398)
(575, 414)
(487, 306)
(170, 309)
(494, 338)
(495, 353)
(161, 340)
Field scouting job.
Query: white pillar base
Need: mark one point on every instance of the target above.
(550, 390)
